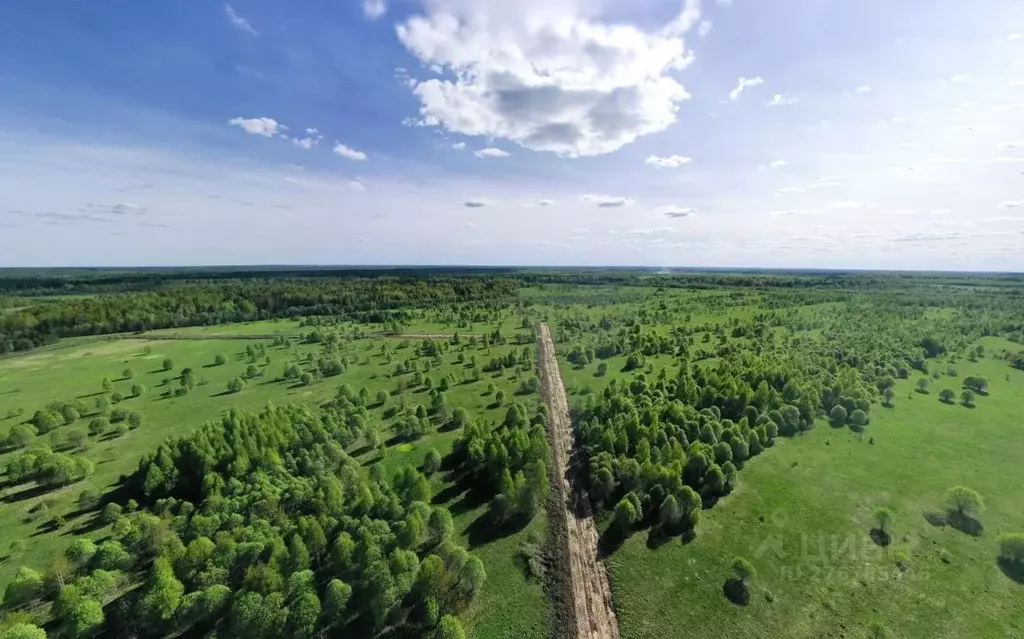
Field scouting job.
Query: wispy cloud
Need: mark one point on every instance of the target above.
(239, 22)
(490, 152)
(775, 164)
(670, 162)
(742, 84)
(1012, 204)
(348, 152)
(704, 28)
(477, 204)
(607, 201)
(374, 9)
(675, 212)
(781, 99)
(458, 146)
(544, 203)
(267, 127)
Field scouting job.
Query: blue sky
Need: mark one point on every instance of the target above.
(793, 133)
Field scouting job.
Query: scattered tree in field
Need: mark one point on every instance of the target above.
(107, 385)
(305, 379)
(168, 364)
(888, 395)
(19, 436)
(737, 587)
(382, 397)
(946, 396)
(883, 525)
(127, 374)
(135, 419)
(967, 398)
(138, 390)
(220, 359)
(235, 385)
(69, 414)
(499, 398)
(1011, 551)
(602, 369)
(964, 502)
(977, 384)
(922, 385)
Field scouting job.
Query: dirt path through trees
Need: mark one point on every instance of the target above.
(588, 594)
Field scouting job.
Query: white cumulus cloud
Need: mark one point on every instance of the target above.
(374, 9)
(490, 152)
(267, 127)
(239, 22)
(607, 201)
(670, 162)
(348, 152)
(546, 74)
(742, 84)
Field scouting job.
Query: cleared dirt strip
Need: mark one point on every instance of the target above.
(591, 614)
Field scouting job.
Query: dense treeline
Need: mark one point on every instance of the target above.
(260, 525)
(371, 300)
(659, 446)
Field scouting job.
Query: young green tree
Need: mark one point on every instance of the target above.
(964, 502)
(624, 518)
(888, 394)
(838, 414)
(22, 630)
(432, 461)
(883, 519)
(967, 398)
(336, 597)
(220, 359)
(946, 395)
(163, 592)
(1011, 548)
(449, 628)
(235, 385)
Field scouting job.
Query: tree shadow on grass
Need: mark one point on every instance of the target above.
(483, 530)
(28, 493)
(880, 537)
(362, 450)
(936, 518)
(450, 493)
(965, 524)
(1012, 569)
(736, 591)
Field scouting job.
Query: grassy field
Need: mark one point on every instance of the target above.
(802, 513)
(510, 604)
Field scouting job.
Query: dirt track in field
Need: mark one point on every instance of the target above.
(591, 613)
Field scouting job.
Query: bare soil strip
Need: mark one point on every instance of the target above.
(591, 614)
